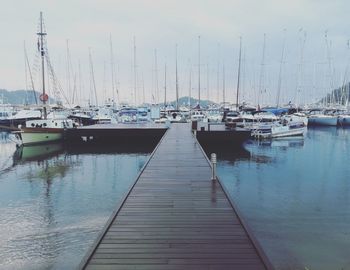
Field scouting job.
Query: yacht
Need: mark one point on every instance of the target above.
(44, 130)
(197, 115)
(270, 126)
(320, 117)
(20, 117)
(174, 116)
(127, 115)
(214, 115)
(278, 130)
(231, 118)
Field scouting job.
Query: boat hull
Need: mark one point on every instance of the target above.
(279, 132)
(289, 132)
(228, 138)
(16, 122)
(323, 121)
(344, 120)
(40, 135)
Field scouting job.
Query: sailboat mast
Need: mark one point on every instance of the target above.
(190, 84)
(199, 71)
(68, 71)
(261, 79)
(80, 81)
(42, 52)
(300, 77)
(112, 67)
(208, 82)
(223, 85)
(156, 90)
(165, 87)
(218, 76)
(92, 77)
(177, 82)
(239, 71)
(280, 72)
(135, 74)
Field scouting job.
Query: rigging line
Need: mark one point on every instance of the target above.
(30, 74)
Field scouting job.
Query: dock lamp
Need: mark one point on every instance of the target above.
(213, 166)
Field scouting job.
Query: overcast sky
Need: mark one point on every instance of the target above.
(160, 24)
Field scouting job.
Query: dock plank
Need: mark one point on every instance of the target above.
(176, 217)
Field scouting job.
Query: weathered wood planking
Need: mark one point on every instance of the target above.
(175, 217)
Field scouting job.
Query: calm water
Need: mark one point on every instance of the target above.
(295, 194)
(53, 202)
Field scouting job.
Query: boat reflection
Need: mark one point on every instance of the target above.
(252, 150)
(230, 155)
(294, 142)
(37, 152)
(116, 148)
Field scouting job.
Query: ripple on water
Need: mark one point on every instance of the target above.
(51, 209)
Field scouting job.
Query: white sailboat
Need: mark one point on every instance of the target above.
(43, 130)
(267, 125)
(319, 117)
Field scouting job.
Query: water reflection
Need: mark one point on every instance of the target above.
(282, 143)
(118, 148)
(253, 150)
(230, 155)
(37, 152)
(295, 193)
(54, 200)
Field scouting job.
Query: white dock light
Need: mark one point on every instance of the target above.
(213, 166)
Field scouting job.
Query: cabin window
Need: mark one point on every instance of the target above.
(56, 124)
(32, 125)
(44, 124)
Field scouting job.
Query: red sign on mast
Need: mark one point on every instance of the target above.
(44, 97)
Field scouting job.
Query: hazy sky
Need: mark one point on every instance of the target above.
(160, 24)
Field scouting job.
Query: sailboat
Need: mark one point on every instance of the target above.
(43, 130)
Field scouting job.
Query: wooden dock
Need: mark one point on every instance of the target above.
(176, 217)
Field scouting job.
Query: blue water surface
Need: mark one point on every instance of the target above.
(54, 202)
(295, 195)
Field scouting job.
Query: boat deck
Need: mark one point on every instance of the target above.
(176, 217)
